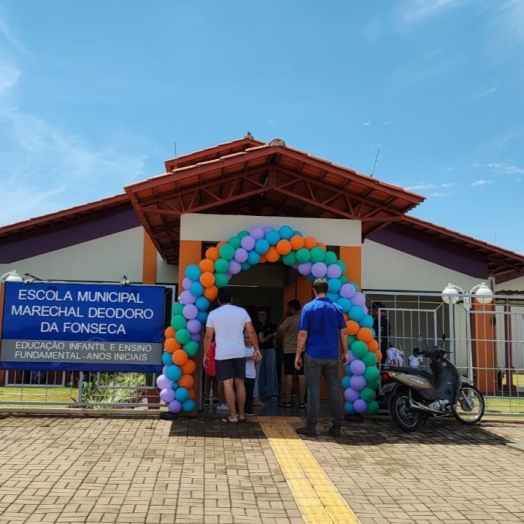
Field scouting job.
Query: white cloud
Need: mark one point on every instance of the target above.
(481, 182)
(508, 23)
(387, 123)
(368, 123)
(499, 168)
(425, 186)
(416, 11)
(7, 33)
(438, 195)
(484, 94)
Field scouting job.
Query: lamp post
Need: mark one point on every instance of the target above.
(11, 276)
(451, 295)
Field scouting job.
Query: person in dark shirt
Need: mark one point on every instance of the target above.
(382, 328)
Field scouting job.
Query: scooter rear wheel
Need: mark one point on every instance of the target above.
(402, 414)
(470, 405)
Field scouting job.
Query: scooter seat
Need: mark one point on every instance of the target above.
(410, 371)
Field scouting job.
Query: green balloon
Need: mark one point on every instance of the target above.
(342, 265)
(243, 234)
(221, 280)
(303, 255)
(374, 385)
(317, 254)
(191, 348)
(221, 265)
(371, 373)
(372, 407)
(355, 286)
(370, 359)
(343, 279)
(351, 339)
(289, 259)
(367, 394)
(330, 258)
(183, 336)
(227, 252)
(178, 322)
(234, 242)
(359, 349)
(177, 308)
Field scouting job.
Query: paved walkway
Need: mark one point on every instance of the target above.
(68, 470)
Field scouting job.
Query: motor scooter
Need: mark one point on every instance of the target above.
(413, 395)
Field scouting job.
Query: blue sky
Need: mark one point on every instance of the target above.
(94, 94)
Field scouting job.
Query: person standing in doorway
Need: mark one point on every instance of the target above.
(322, 344)
(227, 323)
(288, 330)
(267, 380)
(382, 328)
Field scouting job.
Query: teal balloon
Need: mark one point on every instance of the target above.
(177, 308)
(356, 313)
(253, 258)
(317, 254)
(182, 394)
(202, 303)
(370, 359)
(188, 406)
(234, 242)
(372, 408)
(348, 408)
(261, 246)
(330, 258)
(196, 289)
(351, 339)
(178, 322)
(183, 336)
(193, 272)
(221, 265)
(221, 280)
(202, 317)
(245, 266)
(227, 251)
(166, 358)
(344, 383)
(191, 348)
(367, 321)
(334, 285)
(173, 372)
(286, 232)
(289, 259)
(367, 394)
(273, 237)
(333, 296)
(359, 349)
(347, 369)
(345, 304)
(303, 255)
(372, 373)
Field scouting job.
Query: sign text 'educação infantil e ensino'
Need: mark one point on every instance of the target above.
(82, 327)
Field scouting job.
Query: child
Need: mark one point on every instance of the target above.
(210, 381)
(395, 356)
(414, 361)
(251, 374)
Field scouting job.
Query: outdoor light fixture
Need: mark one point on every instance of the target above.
(124, 281)
(11, 276)
(481, 292)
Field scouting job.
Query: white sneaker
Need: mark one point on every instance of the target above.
(222, 407)
(439, 404)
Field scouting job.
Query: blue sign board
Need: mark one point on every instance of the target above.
(82, 327)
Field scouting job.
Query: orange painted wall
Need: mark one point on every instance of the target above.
(483, 347)
(149, 261)
(352, 256)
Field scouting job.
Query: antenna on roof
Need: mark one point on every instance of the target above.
(375, 164)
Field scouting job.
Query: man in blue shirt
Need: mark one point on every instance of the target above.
(322, 338)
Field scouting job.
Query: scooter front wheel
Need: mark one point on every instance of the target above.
(470, 405)
(402, 414)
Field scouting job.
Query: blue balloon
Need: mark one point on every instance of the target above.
(166, 358)
(345, 304)
(193, 272)
(348, 408)
(188, 406)
(202, 303)
(253, 258)
(202, 317)
(333, 296)
(286, 232)
(173, 372)
(182, 394)
(334, 285)
(345, 382)
(272, 237)
(356, 313)
(261, 246)
(196, 288)
(367, 321)
(245, 265)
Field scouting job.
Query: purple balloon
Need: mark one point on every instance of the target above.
(163, 382)
(241, 255)
(234, 267)
(164, 369)
(351, 357)
(358, 299)
(186, 283)
(175, 406)
(248, 242)
(194, 326)
(319, 269)
(334, 271)
(305, 268)
(167, 395)
(190, 311)
(196, 337)
(186, 297)
(357, 367)
(360, 405)
(357, 382)
(365, 309)
(257, 232)
(267, 229)
(347, 290)
(351, 395)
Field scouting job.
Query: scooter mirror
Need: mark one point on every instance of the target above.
(420, 338)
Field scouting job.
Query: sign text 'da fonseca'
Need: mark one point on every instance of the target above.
(82, 327)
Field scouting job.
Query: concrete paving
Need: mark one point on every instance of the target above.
(58, 469)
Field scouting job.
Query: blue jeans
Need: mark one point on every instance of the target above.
(267, 380)
(314, 369)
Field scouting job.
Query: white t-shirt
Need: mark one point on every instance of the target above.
(251, 372)
(414, 361)
(228, 321)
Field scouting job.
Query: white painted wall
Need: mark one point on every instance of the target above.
(516, 284)
(105, 259)
(165, 273)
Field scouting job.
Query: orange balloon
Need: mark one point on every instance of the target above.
(221, 243)
(192, 394)
(211, 293)
(169, 332)
(309, 242)
(263, 259)
(180, 357)
(284, 247)
(207, 279)
(373, 345)
(171, 345)
(365, 334)
(297, 242)
(272, 255)
(322, 246)
(189, 367)
(352, 327)
(186, 381)
(212, 253)
(207, 265)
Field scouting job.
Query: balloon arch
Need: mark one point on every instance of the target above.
(249, 248)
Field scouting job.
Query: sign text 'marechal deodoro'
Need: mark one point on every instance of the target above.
(82, 327)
